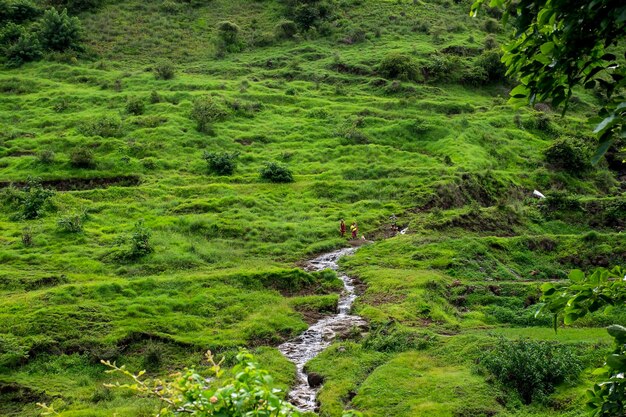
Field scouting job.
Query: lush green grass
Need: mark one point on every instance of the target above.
(454, 162)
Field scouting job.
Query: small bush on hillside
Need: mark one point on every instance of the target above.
(229, 38)
(277, 173)
(27, 237)
(532, 368)
(12, 351)
(490, 43)
(164, 71)
(569, 154)
(18, 11)
(135, 106)
(400, 66)
(72, 223)
(140, 245)
(443, 68)
(82, 157)
(60, 32)
(205, 112)
(25, 49)
(105, 126)
(492, 26)
(490, 63)
(33, 199)
(286, 29)
(222, 163)
(46, 157)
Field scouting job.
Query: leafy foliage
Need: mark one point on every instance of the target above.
(400, 66)
(250, 392)
(31, 200)
(274, 172)
(561, 44)
(585, 295)
(60, 32)
(82, 157)
(569, 154)
(229, 38)
(140, 241)
(532, 368)
(205, 112)
(221, 163)
(164, 71)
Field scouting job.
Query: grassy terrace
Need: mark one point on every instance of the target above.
(452, 161)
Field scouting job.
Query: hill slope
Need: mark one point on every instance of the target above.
(443, 152)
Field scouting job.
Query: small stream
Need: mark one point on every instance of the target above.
(321, 334)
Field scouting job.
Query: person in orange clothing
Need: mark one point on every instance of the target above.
(355, 230)
(342, 228)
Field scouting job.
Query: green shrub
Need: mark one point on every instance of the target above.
(164, 71)
(277, 173)
(140, 245)
(33, 199)
(18, 11)
(82, 157)
(400, 66)
(12, 352)
(222, 163)
(491, 26)
(394, 339)
(60, 32)
(135, 106)
(105, 126)
(71, 223)
(532, 368)
(205, 112)
(46, 156)
(25, 49)
(569, 154)
(286, 29)
(228, 35)
(443, 68)
(489, 62)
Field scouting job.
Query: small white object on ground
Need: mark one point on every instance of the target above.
(538, 194)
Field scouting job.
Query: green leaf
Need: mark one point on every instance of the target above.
(618, 333)
(601, 150)
(521, 91)
(576, 275)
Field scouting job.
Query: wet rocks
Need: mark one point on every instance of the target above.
(314, 380)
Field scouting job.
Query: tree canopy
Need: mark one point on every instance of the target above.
(560, 44)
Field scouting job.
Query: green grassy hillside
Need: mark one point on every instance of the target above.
(443, 152)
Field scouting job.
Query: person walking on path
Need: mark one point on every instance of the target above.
(342, 228)
(355, 230)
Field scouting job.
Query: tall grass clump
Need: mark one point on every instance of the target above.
(399, 66)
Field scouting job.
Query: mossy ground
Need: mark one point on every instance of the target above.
(453, 162)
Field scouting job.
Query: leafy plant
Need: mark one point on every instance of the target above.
(569, 154)
(533, 368)
(274, 172)
(205, 112)
(286, 29)
(250, 392)
(545, 54)
(25, 49)
(164, 71)
(140, 241)
(400, 66)
(222, 163)
(82, 157)
(33, 199)
(72, 223)
(135, 106)
(586, 294)
(228, 37)
(105, 126)
(60, 32)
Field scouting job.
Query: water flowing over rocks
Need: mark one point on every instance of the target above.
(321, 334)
